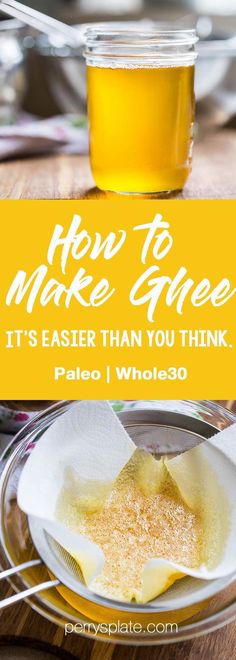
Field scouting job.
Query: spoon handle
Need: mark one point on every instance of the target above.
(41, 21)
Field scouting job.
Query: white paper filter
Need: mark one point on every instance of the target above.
(87, 447)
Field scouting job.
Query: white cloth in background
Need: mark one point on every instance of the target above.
(29, 136)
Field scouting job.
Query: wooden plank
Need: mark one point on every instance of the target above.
(69, 177)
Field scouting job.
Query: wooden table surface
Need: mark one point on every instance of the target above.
(23, 622)
(69, 177)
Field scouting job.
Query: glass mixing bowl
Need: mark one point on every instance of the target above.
(162, 427)
(12, 69)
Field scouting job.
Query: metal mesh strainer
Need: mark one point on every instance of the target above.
(62, 565)
(147, 428)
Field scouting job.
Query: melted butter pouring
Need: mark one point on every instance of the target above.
(143, 516)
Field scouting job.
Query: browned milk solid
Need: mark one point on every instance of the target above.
(139, 520)
(141, 122)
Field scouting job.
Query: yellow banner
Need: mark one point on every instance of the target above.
(125, 299)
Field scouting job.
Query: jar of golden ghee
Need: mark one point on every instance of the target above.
(140, 107)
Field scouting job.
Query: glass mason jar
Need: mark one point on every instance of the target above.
(140, 108)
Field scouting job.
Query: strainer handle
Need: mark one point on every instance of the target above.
(27, 593)
(19, 568)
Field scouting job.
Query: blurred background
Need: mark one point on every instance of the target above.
(44, 77)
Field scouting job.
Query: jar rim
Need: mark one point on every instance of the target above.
(107, 33)
(123, 45)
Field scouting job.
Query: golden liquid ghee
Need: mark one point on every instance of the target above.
(141, 122)
(100, 613)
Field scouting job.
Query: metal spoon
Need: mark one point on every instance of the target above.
(41, 22)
